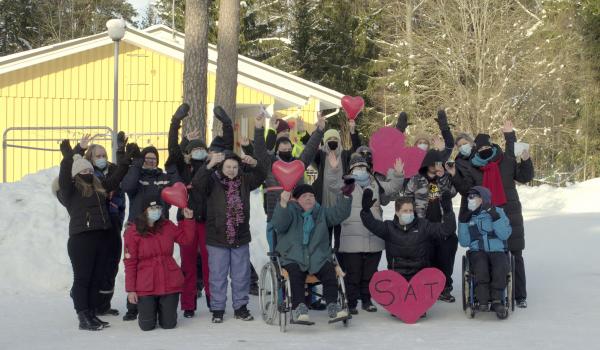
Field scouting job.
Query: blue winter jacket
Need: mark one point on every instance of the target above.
(483, 234)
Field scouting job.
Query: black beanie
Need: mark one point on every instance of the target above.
(280, 141)
(194, 144)
(150, 200)
(302, 189)
(218, 144)
(150, 149)
(482, 140)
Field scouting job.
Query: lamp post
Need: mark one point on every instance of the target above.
(116, 31)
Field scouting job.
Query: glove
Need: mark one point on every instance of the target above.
(181, 112)
(465, 216)
(446, 203)
(367, 200)
(442, 119)
(493, 213)
(65, 148)
(121, 141)
(221, 115)
(133, 151)
(402, 123)
(348, 187)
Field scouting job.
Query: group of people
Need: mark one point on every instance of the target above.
(335, 220)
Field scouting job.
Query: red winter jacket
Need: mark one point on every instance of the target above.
(149, 265)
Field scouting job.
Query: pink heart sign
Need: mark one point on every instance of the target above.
(176, 195)
(389, 144)
(352, 105)
(288, 174)
(407, 300)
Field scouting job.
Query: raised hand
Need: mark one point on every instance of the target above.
(450, 168)
(215, 159)
(132, 151)
(352, 124)
(525, 154)
(193, 135)
(121, 141)
(399, 167)
(65, 148)
(367, 199)
(181, 112)
(244, 141)
(188, 213)
(246, 159)
(259, 121)
(508, 127)
(284, 198)
(320, 121)
(85, 141)
(438, 143)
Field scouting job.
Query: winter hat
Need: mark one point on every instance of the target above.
(358, 160)
(463, 135)
(150, 200)
(194, 144)
(150, 149)
(231, 155)
(330, 134)
(482, 140)
(302, 189)
(218, 144)
(422, 137)
(363, 149)
(282, 126)
(431, 157)
(280, 141)
(483, 192)
(79, 164)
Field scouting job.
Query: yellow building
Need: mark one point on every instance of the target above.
(66, 90)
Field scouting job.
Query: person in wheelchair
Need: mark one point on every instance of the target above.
(485, 229)
(302, 235)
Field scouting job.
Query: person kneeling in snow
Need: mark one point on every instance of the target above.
(485, 229)
(301, 226)
(153, 279)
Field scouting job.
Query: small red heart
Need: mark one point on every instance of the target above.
(288, 174)
(292, 124)
(407, 300)
(352, 105)
(389, 144)
(176, 195)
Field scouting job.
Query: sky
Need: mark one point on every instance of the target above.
(140, 5)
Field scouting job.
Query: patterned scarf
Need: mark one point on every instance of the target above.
(235, 206)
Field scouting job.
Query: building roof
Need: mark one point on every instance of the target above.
(287, 89)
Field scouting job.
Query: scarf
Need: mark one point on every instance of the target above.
(235, 206)
(309, 224)
(492, 179)
(329, 197)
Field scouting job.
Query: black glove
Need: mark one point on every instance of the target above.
(65, 148)
(133, 151)
(221, 115)
(348, 187)
(493, 213)
(446, 203)
(367, 200)
(121, 141)
(181, 112)
(402, 122)
(442, 119)
(465, 216)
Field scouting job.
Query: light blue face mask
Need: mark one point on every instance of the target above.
(466, 149)
(472, 204)
(362, 177)
(154, 215)
(100, 163)
(406, 219)
(199, 154)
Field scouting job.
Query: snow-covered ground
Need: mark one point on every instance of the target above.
(562, 261)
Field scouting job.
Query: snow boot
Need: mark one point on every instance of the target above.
(485, 307)
(300, 315)
(446, 296)
(368, 306)
(87, 323)
(243, 314)
(188, 313)
(130, 315)
(109, 312)
(336, 314)
(353, 310)
(521, 303)
(95, 318)
(500, 310)
(218, 316)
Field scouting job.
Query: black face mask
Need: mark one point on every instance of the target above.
(333, 145)
(486, 153)
(285, 156)
(87, 178)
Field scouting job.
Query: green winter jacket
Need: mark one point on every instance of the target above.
(288, 224)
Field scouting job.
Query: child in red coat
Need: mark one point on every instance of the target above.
(153, 279)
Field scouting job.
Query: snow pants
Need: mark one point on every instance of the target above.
(489, 273)
(157, 307)
(359, 269)
(443, 255)
(233, 263)
(189, 266)
(113, 258)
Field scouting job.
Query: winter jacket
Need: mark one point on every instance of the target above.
(481, 233)
(207, 182)
(446, 135)
(355, 237)
(410, 246)
(510, 171)
(288, 224)
(87, 213)
(149, 265)
(462, 164)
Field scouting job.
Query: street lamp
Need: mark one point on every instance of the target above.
(116, 31)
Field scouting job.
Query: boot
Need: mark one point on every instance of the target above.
(446, 296)
(368, 306)
(188, 313)
(218, 316)
(109, 312)
(300, 315)
(500, 310)
(95, 318)
(521, 303)
(335, 312)
(130, 315)
(243, 314)
(86, 322)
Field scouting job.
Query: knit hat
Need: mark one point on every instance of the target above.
(218, 144)
(463, 135)
(302, 189)
(194, 144)
(150, 149)
(357, 160)
(482, 140)
(282, 125)
(79, 164)
(280, 141)
(331, 133)
(363, 149)
(483, 192)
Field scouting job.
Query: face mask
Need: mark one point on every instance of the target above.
(406, 219)
(486, 153)
(465, 149)
(423, 146)
(285, 156)
(88, 178)
(472, 204)
(333, 145)
(100, 163)
(154, 214)
(362, 177)
(199, 154)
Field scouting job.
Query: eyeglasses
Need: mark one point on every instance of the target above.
(473, 196)
(150, 159)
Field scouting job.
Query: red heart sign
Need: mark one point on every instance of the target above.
(407, 300)
(288, 174)
(352, 105)
(176, 195)
(389, 144)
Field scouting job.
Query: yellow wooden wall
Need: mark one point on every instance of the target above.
(77, 90)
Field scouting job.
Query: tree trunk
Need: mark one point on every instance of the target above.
(227, 61)
(195, 64)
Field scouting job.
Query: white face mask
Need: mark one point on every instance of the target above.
(466, 149)
(472, 204)
(423, 146)
(406, 219)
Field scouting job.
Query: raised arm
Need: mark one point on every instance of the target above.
(377, 227)
(112, 182)
(282, 216)
(65, 180)
(184, 231)
(394, 180)
(339, 212)
(442, 121)
(312, 146)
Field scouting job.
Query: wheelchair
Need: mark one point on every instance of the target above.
(468, 296)
(274, 292)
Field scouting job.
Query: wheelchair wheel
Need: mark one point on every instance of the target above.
(511, 284)
(465, 291)
(342, 298)
(269, 293)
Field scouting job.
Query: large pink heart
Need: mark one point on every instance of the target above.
(352, 105)
(389, 144)
(176, 195)
(407, 300)
(288, 174)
